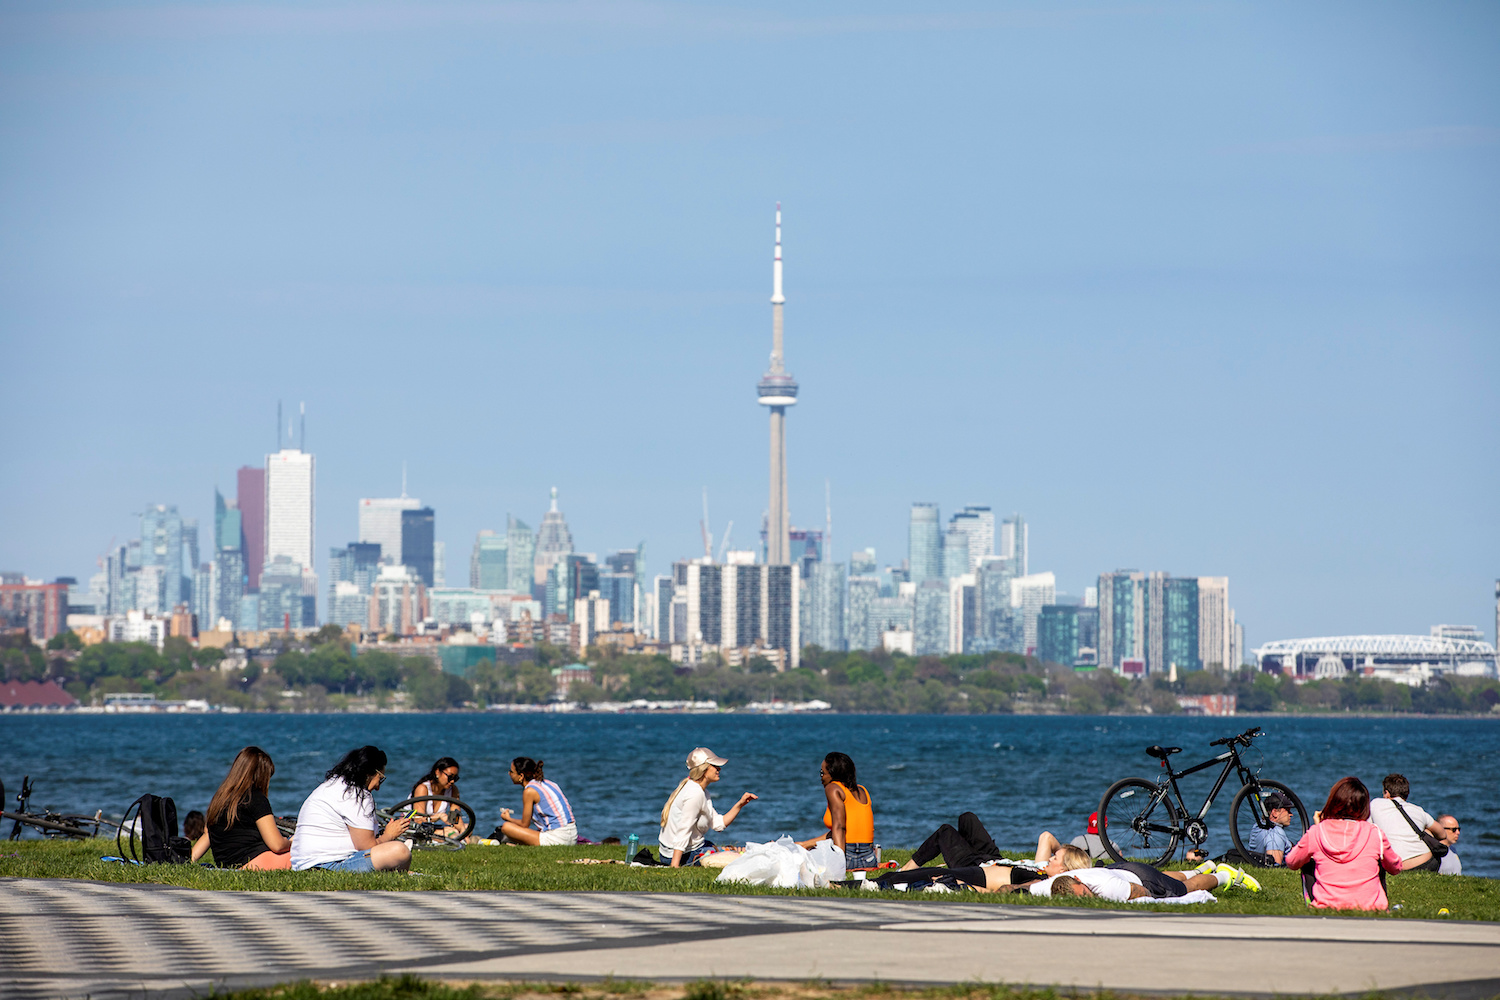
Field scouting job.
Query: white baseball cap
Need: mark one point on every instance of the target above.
(703, 755)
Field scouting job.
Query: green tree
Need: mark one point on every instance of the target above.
(65, 640)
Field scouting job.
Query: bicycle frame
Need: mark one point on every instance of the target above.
(1230, 758)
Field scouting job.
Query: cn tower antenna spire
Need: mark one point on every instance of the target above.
(778, 390)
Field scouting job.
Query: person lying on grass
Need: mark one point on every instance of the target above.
(984, 874)
(1132, 880)
(336, 827)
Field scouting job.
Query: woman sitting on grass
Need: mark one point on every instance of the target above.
(1343, 855)
(542, 804)
(849, 816)
(689, 814)
(440, 781)
(240, 828)
(336, 827)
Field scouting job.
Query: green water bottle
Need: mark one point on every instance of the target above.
(632, 845)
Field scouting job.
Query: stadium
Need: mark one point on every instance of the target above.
(1409, 659)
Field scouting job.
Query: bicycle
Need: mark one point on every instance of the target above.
(48, 823)
(1139, 819)
(433, 832)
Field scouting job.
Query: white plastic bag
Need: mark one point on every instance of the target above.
(826, 864)
(786, 866)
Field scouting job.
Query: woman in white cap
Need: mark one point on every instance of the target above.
(689, 813)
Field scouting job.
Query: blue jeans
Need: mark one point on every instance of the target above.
(859, 856)
(691, 857)
(359, 861)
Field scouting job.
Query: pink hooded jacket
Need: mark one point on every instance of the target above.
(1346, 856)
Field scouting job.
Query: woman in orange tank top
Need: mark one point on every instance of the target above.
(849, 817)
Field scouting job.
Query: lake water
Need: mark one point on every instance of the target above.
(1021, 774)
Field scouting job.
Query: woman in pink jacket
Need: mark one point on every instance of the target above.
(1344, 853)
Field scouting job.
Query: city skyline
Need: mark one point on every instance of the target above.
(1181, 285)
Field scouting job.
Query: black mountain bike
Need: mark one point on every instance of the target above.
(1147, 820)
(49, 823)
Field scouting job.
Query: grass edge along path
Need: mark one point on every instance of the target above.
(1414, 895)
(411, 987)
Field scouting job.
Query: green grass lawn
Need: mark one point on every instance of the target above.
(534, 869)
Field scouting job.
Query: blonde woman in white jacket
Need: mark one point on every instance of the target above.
(689, 814)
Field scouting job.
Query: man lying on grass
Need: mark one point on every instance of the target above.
(1132, 880)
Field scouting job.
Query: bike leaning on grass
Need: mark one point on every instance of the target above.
(1146, 820)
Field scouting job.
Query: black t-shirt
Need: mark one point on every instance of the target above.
(234, 845)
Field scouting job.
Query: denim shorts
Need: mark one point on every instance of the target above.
(359, 861)
(859, 856)
(692, 857)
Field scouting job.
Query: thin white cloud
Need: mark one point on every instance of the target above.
(1437, 137)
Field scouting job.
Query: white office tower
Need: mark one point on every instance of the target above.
(963, 617)
(289, 506)
(1028, 594)
(380, 523)
(978, 523)
(1215, 624)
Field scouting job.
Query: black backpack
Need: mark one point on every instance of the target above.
(159, 840)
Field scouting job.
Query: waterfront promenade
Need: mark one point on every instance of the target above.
(63, 938)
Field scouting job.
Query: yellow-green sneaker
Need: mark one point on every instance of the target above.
(1207, 868)
(1238, 876)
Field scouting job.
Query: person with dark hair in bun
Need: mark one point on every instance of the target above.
(546, 818)
(336, 826)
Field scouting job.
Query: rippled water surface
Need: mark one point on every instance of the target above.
(1021, 774)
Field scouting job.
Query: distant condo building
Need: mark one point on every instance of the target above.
(739, 611)
(1161, 624)
(418, 548)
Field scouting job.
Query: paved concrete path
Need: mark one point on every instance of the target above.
(107, 940)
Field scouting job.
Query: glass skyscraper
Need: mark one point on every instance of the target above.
(859, 618)
(520, 546)
(417, 550)
(925, 543)
(824, 626)
(489, 565)
(930, 618)
(1057, 634)
(955, 553)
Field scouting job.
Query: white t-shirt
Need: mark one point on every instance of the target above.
(688, 821)
(323, 823)
(1106, 883)
(1450, 865)
(1399, 832)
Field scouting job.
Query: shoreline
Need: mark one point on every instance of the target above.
(92, 711)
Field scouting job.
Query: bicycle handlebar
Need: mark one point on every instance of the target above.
(1243, 738)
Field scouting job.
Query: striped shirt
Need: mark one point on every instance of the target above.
(552, 809)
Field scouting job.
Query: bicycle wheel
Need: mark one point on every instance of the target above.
(1249, 818)
(1138, 822)
(425, 833)
(48, 825)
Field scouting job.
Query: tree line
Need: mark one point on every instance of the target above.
(321, 672)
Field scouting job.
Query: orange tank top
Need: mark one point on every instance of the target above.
(859, 817)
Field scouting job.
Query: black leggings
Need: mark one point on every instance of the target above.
(963, 847)
(1156, 882)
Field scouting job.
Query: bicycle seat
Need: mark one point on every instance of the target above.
(1162, 752)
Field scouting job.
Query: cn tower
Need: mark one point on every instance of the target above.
(778, 390)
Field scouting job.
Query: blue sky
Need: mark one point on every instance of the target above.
(1203, 287)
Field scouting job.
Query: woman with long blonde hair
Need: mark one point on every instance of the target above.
(240, 826)
(689, 814)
